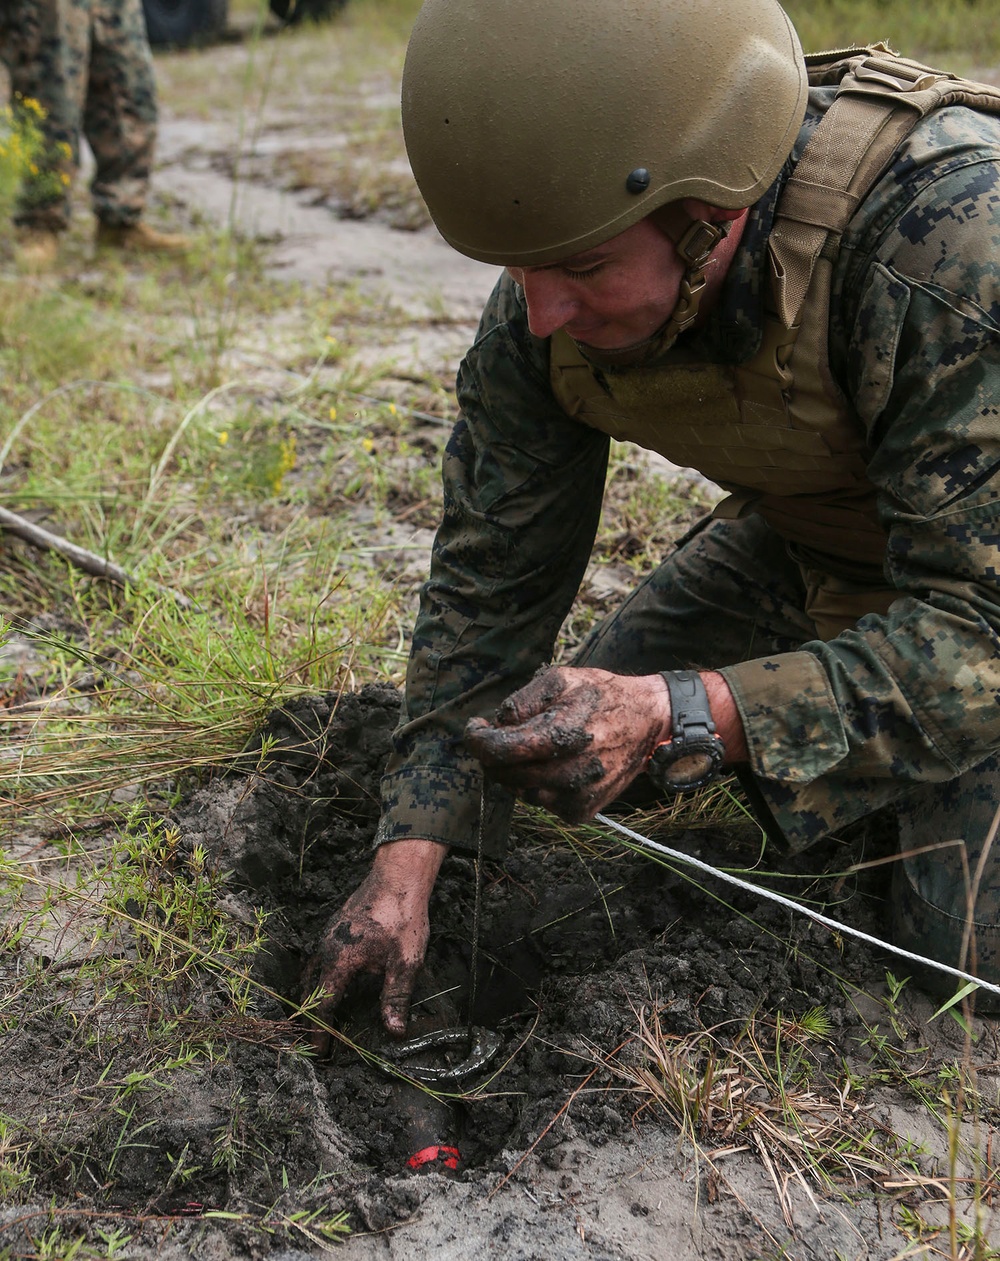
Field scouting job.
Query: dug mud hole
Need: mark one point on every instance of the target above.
(576, 940)
(569, 947)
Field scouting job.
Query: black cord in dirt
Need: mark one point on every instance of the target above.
(477, 907)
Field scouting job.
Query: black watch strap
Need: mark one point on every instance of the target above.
(690, 713)
(694, 754)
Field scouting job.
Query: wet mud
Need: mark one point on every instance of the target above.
(541, 1151)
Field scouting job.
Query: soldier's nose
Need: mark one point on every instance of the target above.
(550, 304)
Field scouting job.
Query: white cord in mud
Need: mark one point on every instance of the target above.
(791, 905)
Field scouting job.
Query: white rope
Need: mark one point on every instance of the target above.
(791, 905)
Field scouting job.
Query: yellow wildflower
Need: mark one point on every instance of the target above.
(223, 437)
(392, 409)
(333, 413)
(286, 462)
(65, 178)
(367, 445)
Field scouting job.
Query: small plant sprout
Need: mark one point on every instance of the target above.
(115, 1240)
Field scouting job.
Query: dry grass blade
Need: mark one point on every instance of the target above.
(728, 1093)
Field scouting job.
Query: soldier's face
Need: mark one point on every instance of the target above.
(609, 297)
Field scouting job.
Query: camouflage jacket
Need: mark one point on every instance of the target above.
(912, 696)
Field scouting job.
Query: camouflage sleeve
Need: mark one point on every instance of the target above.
(523, 486)
(912, 696)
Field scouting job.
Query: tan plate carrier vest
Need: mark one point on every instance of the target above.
(776, 431)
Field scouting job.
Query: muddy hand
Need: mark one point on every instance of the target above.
(381, 929)
(573, 739)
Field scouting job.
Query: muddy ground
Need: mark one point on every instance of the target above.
(559, 1155)
(553, 1152)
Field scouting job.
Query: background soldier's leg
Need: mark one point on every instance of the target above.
(46, 46)
(937, 909)
(120, 114)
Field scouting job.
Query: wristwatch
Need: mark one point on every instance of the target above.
(694, 754)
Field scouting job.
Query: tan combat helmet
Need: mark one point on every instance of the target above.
(537, 129)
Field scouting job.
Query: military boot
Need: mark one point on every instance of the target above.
(140, 238)
(37, 249)
(946, 884)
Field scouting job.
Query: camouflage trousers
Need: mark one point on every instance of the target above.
(89, 66)
(731, 592)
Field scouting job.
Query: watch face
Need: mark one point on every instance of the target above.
(692, 768)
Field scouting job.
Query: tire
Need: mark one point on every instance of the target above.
(292, 11)
(180, 22)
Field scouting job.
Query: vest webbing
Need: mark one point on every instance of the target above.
(776, 431)
(880, 99)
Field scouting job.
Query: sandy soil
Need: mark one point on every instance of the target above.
(556, 1162)
(560, 1150)
(561, 1154)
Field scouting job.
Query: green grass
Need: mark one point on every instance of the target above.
(247, 445)
(963, 33)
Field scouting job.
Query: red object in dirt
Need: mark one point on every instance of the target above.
(447, 1156)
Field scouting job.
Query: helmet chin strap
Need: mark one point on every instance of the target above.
(694, 240)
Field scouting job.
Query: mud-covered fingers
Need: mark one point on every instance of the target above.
(331, 973)
(397, 991)
(319, 1037)
(547, 736)
(535, 697)
(571, 805)
(318, 1017)
(571, 775)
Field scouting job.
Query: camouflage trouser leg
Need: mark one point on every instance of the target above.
(946, 897)
(45, 45)
(87, 62)
(730, 592)
(119, 118)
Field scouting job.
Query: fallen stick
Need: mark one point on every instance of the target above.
(89, 562)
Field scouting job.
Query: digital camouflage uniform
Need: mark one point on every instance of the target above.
(88, 64)
(902, 706)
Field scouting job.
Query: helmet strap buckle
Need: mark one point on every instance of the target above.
(694, 246)
(699, 240)
(693, 240)
(688, 300)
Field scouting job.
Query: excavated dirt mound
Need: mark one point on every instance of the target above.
(555, 1157)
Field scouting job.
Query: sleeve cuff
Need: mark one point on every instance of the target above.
(793, 728)
(443, 804)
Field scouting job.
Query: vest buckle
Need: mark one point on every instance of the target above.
(869, 73)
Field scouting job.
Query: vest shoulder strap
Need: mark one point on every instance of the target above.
(880, 99)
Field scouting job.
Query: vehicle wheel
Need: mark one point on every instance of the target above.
(292, 11)
(178, 22)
